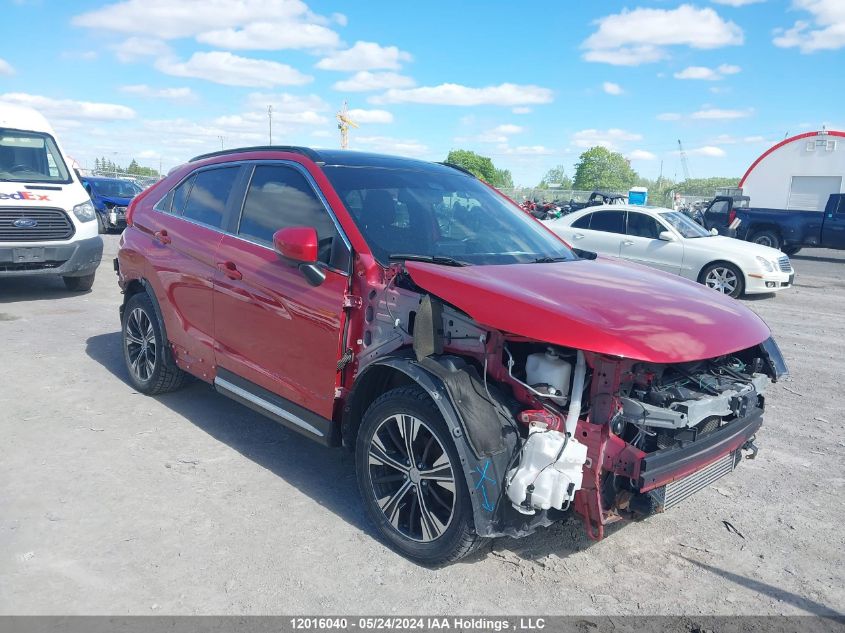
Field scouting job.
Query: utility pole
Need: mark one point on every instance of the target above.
(221, 142)
(270, 121)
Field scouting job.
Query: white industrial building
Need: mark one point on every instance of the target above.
(798, 173)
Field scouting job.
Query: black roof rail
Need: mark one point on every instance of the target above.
(459, 168)
(305, 151)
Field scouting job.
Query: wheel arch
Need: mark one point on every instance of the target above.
(757, 227)
(138, 286)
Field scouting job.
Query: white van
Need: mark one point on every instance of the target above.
(48, 225)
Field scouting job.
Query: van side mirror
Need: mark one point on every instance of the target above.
(667, 236)
(299, 244)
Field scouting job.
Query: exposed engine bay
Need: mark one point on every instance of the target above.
(611, 437)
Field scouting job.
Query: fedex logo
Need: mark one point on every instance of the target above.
(24, 195)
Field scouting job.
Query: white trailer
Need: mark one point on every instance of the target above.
(798, 173)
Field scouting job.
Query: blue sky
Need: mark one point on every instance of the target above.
(530, 84)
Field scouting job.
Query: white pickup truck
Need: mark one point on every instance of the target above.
(47, 221)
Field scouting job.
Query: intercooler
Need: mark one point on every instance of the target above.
(673, 493)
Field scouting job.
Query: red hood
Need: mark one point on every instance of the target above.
(602, 305)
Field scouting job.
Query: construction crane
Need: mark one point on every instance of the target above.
(683, 160)
(343, 124)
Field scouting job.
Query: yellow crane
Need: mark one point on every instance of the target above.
(343, 124)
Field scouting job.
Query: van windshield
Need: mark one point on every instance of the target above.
(30, 157)
(440, 215)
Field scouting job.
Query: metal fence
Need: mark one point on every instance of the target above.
(141, 181)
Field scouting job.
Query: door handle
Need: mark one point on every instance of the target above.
(230, 270)
(627, 242)
(162, 236)
(577, 236)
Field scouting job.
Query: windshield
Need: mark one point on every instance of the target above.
(684, 225)
(115, 188)
(437, 214)
(30, 157)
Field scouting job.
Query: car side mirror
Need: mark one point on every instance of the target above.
(299, 244)
(714, 231)
(667, 236)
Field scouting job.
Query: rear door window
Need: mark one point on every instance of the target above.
(279, 197)
(582, 222)
(642, 225)
(208, 196)
(174, 201)
(608, 222)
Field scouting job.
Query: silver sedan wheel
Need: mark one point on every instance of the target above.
(140, 341)
(722, 279)
(412, 478)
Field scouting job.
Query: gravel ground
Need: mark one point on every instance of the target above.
(115, 503)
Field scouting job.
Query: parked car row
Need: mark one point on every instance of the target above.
(487, 377)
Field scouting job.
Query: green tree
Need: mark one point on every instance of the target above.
(556, 177)
(705, 186)
(480, 166)
(599, 168)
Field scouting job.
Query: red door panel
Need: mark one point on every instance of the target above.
(275, 329)
(181, 269)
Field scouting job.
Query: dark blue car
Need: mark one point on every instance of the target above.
(110, 196)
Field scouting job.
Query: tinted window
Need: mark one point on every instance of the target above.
(642, 225)
(279, 197)
(582, 222)
(207, 199)
(608, 221)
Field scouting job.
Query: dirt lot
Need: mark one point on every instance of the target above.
(113, 502)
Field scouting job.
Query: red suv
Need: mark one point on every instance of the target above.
(487, 376)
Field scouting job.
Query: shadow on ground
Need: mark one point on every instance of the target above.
(34, 288)
(327, 475)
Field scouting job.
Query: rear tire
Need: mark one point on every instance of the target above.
(101, 225)
(791, 250)
(79, 284)
(766, 237)
(723, 277)
(151, 367)
(420, 505)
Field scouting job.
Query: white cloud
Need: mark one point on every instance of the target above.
(371, 116)
(641, 154)
(390, 145)
(365, 56)
(458, 95)
(640, 36)
(340, 18)
(174, 94)
(521, 110)
(499, 134)
(135, 48)
(85, 56)
(825, 31)
(612, 88)
(727, 139)
(707, 74)
(6, 67)
(610, 138)
(364, 81)
(272, 36)
(669, 116)
(720, 114)
(285, 102)
(70, 109)
(708, 150)
(232, 70)
(166, 19)
(524, 150)
(737, 3)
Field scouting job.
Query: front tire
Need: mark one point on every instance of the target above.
(411, 479)
(151, 367)
(725, 278)
(766, 237)
(79, 284)
(791, 250)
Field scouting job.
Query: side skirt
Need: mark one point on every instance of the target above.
(275, 407)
